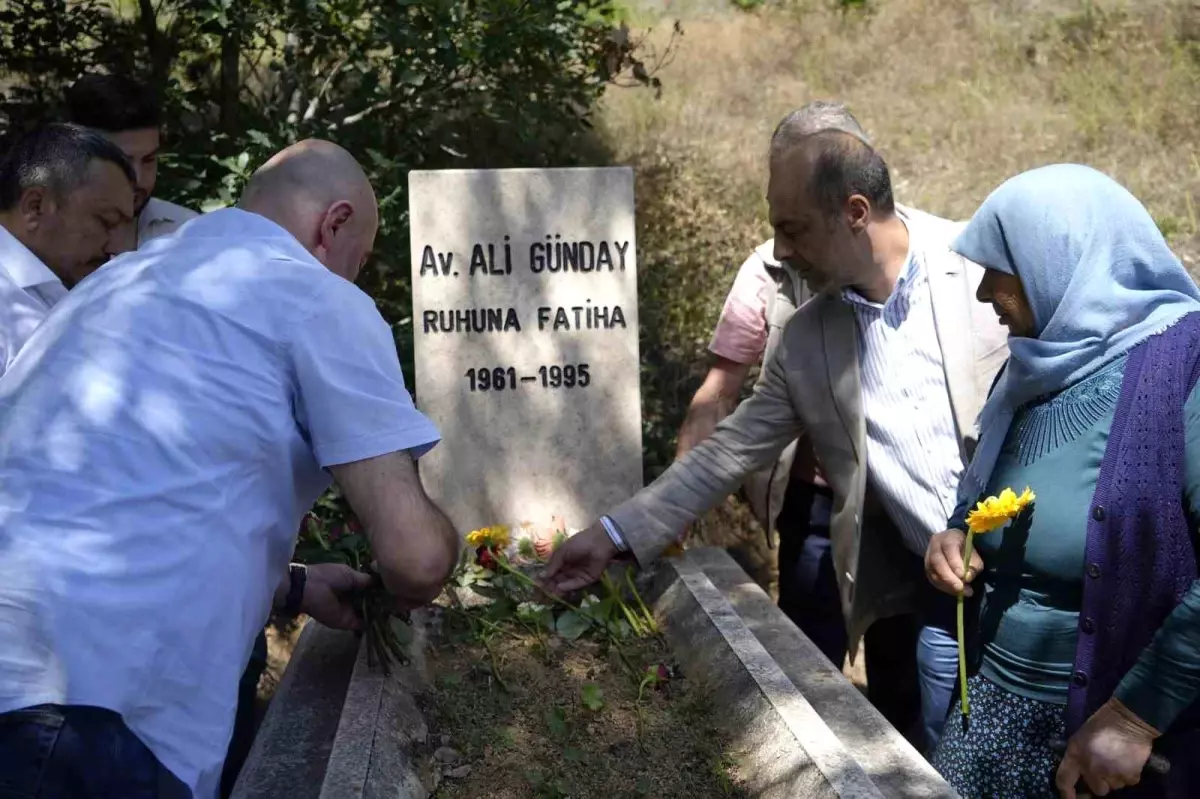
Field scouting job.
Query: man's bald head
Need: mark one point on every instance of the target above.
(317, 192)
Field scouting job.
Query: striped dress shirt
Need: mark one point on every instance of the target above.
(913, 458)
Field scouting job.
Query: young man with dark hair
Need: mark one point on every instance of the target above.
(65, 194)
(129, 114)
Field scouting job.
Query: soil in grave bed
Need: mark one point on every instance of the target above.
(564, 720)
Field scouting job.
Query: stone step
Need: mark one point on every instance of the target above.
(803, 729)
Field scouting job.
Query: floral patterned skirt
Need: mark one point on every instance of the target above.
(1006, 752)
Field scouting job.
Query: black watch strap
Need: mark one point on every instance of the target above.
(297, 577)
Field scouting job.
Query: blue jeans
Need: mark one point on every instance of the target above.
(937, 667)
(77, 752)
(911, 660)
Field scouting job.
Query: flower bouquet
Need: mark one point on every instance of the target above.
(332, 534)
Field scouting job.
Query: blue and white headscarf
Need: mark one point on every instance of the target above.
(1098, 276)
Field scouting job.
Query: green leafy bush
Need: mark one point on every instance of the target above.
(402, 84)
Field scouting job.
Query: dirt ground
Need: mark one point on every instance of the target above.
(530, 733)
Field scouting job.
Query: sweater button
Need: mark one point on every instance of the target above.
(1093, 570)
(1098, 513)
(1079, 679)
(1088, 626)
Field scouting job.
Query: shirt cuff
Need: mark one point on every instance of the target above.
(614, 534)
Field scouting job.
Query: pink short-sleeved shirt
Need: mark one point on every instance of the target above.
(741, 332)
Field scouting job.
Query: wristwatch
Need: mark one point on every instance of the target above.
(297, 577)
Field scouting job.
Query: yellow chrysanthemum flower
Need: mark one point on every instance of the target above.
(995, 512)
(494, 537)
(988, 515)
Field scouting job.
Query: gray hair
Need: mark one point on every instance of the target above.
(845, 163)
(820, 116)
(55, 156)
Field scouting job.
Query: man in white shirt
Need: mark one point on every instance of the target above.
(161, 436)
(65, 194)
(129, 114)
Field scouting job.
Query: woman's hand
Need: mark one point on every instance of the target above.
(1108, 752)
(944, 563)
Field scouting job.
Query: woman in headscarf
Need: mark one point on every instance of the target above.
(1088, 625)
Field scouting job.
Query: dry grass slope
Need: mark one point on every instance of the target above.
(958, 95)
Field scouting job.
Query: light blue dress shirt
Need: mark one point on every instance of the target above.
(161, 436)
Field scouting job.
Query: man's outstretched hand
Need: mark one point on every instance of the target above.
(579, 561)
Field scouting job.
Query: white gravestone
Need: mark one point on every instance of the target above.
(525, 321)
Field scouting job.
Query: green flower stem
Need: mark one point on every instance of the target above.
(962, 637)
(645, 611)
(615, 593)
(624, 658)
(525, 578)
(612, 639)
(487, 644)
(472, 618)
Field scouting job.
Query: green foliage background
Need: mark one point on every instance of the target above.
(402, 84)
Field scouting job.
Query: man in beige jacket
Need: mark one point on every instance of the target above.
(885, 371)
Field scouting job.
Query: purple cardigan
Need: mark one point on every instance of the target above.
(1140, 559)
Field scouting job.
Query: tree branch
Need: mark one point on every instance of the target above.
(311, 111)
(159, 60)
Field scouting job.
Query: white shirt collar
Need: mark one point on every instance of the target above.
(159, 217)
(910, 274)
(22, 266)
(234, 222)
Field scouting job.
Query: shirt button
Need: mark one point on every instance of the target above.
(1079, 679)
(1098, 513)
(1093, 570)
(1088, 626)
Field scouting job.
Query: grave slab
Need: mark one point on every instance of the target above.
(292, 746)
(373, 750)
(338, 730)
(803, 729)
